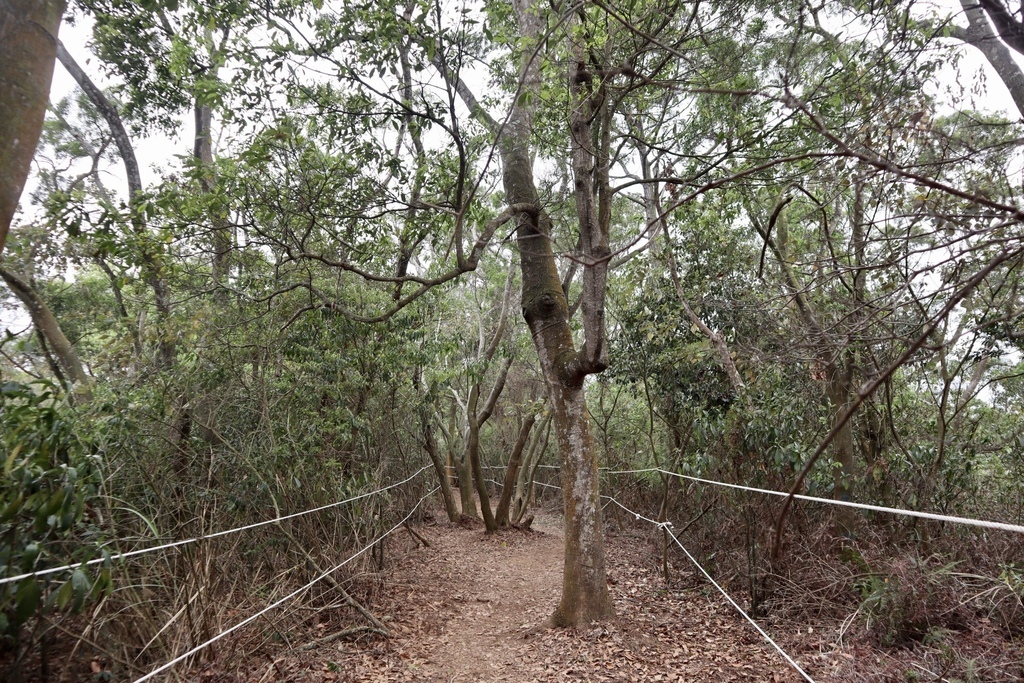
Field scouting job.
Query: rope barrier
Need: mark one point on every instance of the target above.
(280, 602)
(635, 514)
(1002, 526)
(967, 521)
(174, 544)
(667, 526)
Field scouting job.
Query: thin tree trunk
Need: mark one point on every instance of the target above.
(837, 369)
(474, 422)
(430, 446)
(151, 262)
(463, 473)
(657, 217)
(839, 377)
(512, 472)
(203, 154)
(49, 327)
(525, 477)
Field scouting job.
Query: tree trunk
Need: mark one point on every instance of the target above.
(584, 587)
(473, 458)
(152, 266)
(474, 421)
(221, 237)
(585, 595)
(46, 323)
(28, 49)
(512, 472)
(526, 474)
(430, 446)
(462, 471)
(657, 219)
(839, 377)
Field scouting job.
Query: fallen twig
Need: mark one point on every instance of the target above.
(337, 636)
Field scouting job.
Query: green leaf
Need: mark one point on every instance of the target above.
(25, 601)
(64, 595)
(80, 586)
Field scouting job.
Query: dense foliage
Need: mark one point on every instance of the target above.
(813, 227)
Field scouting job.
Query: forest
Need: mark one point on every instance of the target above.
(294, 284)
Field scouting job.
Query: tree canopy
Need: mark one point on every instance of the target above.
(773, 243)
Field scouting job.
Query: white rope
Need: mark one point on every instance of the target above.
(174, 544)
(968, 521)
(1003, 526)
(286, 598)
(667, 526)
(635, 514)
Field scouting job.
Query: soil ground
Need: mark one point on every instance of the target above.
(472, 607)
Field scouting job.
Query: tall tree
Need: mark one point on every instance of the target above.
(28, 48)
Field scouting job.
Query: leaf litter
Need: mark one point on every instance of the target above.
(472, 607)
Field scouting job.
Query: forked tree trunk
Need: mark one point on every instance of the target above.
(585, 595)
(473, 458)
(835, 365)
(463, 474)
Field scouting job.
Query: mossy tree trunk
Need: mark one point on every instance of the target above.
(585, 596)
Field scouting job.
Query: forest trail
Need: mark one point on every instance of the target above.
(472, 607)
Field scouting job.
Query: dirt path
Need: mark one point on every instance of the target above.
(488, 593)
(472, 608)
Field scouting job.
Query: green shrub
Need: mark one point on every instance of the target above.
(49, 479)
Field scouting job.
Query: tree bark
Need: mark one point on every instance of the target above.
(979, 33)
(28, 48)
(463, 473)
(49, 327)
(585, 595)
(474, 422)
(430, 446)
(512, 472)
(528, 470)
(838, 390)
(221, 237)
